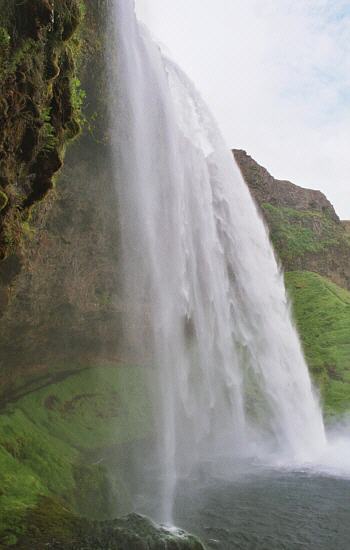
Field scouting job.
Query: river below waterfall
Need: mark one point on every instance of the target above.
(268, 510)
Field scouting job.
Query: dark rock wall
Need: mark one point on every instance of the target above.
(60, 302)
(265, 188)
(40, 101)
(304, 227)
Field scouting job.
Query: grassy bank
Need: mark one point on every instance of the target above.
(322, 313)
(47, 436)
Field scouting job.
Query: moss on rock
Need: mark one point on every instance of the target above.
(39, 114)
(51, 525)
(48, 437)
(3, 200)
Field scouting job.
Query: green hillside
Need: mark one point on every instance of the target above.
(53, 444)
(322, 313)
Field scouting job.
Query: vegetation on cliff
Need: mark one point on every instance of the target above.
(322, 313)
(299, 235)
(40, 110)
(60, 283)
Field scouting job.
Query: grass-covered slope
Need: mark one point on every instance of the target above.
(322, 313)
(50, 438)
(297, 233)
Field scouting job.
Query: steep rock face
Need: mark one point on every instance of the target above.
(39, 112)
(265, 188)
(61, 306)
(304, 228)
(64, 305)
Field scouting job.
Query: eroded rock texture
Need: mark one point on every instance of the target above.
(40, 101)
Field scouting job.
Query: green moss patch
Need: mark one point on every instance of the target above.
(46, 436)
(322, 313)
(53, 526)
(40, 103)
(297, 232)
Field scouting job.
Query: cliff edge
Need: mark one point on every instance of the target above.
(305, 230)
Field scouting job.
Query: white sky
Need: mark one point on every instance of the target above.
(276, 74)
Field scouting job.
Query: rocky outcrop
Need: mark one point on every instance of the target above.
(304, 227)
(133, 532)
(64, 306)
(136, 532)
(265, 188)
(40, 103)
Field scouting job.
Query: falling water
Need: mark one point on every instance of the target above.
(206, 303)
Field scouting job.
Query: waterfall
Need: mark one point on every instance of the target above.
(206, 308)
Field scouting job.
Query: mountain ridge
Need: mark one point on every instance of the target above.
(304, 228)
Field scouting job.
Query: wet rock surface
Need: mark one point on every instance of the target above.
(132, 532)
(39, 106)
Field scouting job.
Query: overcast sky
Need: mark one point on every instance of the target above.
(276, 74)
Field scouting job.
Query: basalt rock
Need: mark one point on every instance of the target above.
(266, 189)
(39, 109)
(304, 227)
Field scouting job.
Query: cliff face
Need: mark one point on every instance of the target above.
(40, 101)
(282, 193)
(59, 303)
(314, 248)
(304, 228)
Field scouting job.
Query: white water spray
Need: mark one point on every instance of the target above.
(205, 298)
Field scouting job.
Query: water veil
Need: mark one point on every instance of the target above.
(206, 309)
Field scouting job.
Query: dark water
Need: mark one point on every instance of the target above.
(268, 511)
